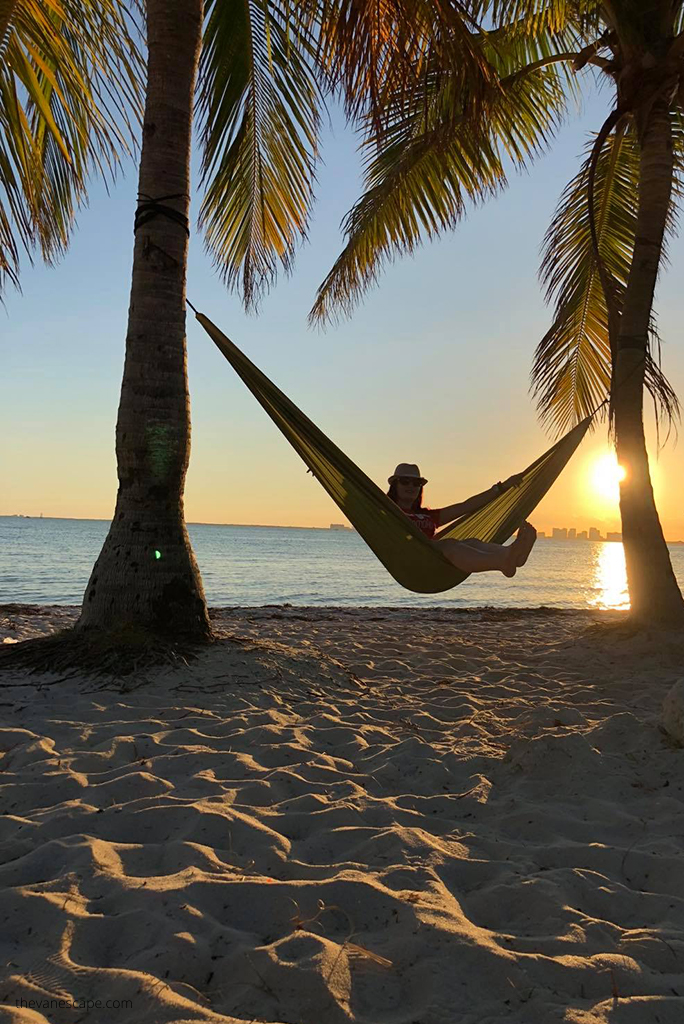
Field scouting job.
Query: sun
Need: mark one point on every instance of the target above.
(606, 474)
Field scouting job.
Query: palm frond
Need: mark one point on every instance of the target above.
(573, 363)
(259, 106)
(678, 154)
(414, 192)
(519, 45)
(71, 85)
(427, 165)
(554, 14)
(679, 18)
(373, 50)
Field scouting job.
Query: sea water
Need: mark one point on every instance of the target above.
(48, 561)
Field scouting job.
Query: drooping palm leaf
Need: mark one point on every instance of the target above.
(374, 50)
(429, 165)
(556, 14)
(518, 44)
(259, 106)
(573, 362)
(71, 81)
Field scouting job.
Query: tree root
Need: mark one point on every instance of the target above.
(116, 652)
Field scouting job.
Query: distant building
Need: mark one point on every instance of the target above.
(594, 534)
(572, 533)
(339, 526)
(614, 536)
(540, 535)
(582, 535)
(559, 533)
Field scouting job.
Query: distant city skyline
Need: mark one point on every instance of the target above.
(592, 533)
(572, 533)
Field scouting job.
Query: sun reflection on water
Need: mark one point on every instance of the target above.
(609, 582)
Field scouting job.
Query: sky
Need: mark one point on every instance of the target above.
(433, 367)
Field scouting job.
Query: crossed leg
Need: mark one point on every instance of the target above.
(472, 555)
(481, 545)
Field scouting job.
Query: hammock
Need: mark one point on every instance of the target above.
(413, 560)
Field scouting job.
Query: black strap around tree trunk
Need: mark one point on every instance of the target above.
(155, 208)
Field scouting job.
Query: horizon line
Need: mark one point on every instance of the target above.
(261, 526)
(188, 522)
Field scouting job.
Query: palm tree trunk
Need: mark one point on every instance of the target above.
(146, 573)
(654, 594)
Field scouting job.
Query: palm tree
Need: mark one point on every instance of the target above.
(146, 572)
(70, 91)
(258, 103)
(257, 72)
(438, 146)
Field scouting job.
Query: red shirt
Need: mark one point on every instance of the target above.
(425, 520)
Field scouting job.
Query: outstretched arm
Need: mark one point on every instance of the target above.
(461, 508)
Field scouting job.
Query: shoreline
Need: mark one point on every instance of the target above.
(22, 621)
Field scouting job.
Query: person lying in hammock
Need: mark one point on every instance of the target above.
(471, 555)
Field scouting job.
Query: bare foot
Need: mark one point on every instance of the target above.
(527, 535)
(510, 566)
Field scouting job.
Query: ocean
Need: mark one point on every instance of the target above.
(48, 561)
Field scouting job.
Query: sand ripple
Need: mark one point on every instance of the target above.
(368, 816)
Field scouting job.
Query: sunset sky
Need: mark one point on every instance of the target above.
(432, 368)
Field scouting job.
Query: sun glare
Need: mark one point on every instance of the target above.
(609, 578)
(606, 475)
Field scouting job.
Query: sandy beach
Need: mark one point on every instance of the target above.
(348, 816)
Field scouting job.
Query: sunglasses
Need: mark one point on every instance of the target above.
(409, 481)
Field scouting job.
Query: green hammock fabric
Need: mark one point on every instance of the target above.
(413, 560)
